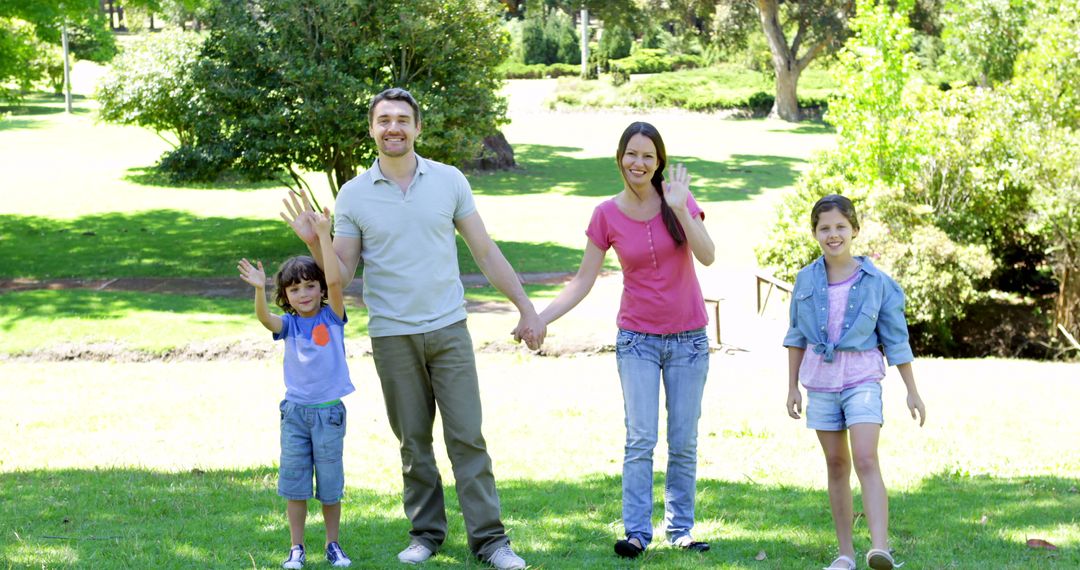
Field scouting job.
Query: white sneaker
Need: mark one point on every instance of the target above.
(415, 554)
(505, 559)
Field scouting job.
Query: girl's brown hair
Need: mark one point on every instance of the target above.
(647, 130)
(293, 271)
(834, 202)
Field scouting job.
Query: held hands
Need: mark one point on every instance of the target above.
(915, 403)
(298, 218)
(252, 274)
(794, 402)
(530, 329)
(677, 190)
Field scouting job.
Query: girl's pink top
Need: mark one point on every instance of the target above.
(661, 294)
(848, 368)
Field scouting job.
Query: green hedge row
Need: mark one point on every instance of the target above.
(513, 70)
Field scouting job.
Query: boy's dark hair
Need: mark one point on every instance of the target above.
(293, 271)
(394, 94)
(834, 202)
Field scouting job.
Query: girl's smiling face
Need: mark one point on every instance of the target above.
(834, 233)
(305, 297)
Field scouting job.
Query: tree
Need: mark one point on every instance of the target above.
(152, 85)
(984, 37)
(287, 81)
(28, 28)
(820, 27)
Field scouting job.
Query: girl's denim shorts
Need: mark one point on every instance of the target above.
(837, 411)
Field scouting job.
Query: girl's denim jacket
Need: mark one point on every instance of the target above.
(874, 315)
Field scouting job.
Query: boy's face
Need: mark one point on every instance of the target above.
(305, 297)
(394, 127)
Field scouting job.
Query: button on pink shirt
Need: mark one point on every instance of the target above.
(848, 368)
(661, 293)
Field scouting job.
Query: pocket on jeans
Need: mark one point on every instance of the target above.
(700, 344)
(627, 340)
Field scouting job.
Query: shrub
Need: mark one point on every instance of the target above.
(615, 43)
(648, 60)
(152, 85)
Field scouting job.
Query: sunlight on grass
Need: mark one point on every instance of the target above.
(188, 450)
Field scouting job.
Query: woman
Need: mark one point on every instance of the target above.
(654, 227)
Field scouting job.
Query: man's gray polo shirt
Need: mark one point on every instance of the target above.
(412, 282)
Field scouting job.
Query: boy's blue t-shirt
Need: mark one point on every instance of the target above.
(315, 368)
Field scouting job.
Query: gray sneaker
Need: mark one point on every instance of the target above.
(415, 554)
(505, 559)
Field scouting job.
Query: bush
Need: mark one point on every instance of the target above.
(648, 60)
(152, 85)
(549, 38)
(510, 70)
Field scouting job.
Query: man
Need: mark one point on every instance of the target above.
(400, 217)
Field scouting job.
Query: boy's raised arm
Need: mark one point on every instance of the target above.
(256, 277)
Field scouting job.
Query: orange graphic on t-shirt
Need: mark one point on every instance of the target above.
(320, 335)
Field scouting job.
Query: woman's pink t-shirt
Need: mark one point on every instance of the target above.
(848, 369)
(661, 293)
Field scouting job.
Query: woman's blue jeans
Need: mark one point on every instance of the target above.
(681, 360)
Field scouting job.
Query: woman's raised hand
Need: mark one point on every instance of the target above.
(252, 274)
(677, 190)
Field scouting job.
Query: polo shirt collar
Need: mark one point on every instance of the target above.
(377, 175)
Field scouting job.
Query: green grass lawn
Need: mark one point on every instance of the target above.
(172, 465)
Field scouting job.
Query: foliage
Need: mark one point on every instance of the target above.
(725, 86)
(152, 85)
(615, 43)
(550, 38)
(982, 38)
(647, 60)
(31, 35)
(287, 85)
(874, 67)
(1047, 87)
(511, 70)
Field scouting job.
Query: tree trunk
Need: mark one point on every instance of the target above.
(785, 66)
(1067, 304)
(786, 105)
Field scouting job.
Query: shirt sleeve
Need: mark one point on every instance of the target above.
(794, 337)
(466, 205)
(892, 328)
(695, 209)
(597, 231)
(344, 222)
(286, 327)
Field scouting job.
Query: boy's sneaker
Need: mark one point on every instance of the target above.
(336, 556)
(296, 558)
(414, 554)
(505, 559)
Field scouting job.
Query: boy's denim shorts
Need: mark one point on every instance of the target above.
(837, 411)
(312, 440)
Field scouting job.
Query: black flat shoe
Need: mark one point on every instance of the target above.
(628, 549)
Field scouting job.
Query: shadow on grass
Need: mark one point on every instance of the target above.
(172, 243)
(809, 128)
(151, 176)
(547, 169)
(120, 518)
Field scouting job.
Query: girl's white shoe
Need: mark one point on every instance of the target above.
(842, 563)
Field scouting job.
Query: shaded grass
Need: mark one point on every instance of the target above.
(170, 243)
(150, 322)
(232, 518)
(551, 169)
